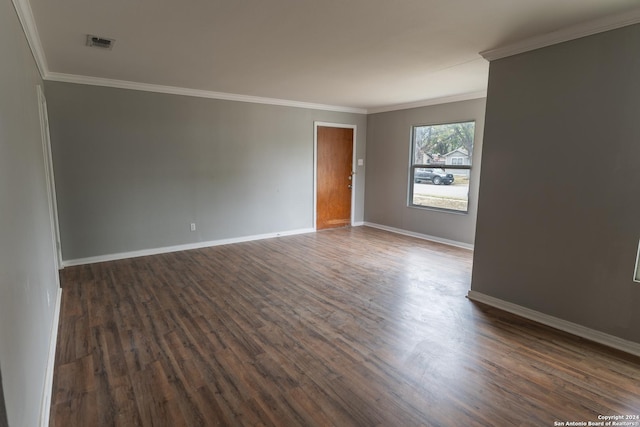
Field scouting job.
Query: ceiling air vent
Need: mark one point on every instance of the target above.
(100, 42)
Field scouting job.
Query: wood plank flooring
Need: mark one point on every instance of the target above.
(344, 327)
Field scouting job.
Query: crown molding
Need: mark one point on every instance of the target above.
(428, 102)
(584, 29)
(173, 90)
(25, 15)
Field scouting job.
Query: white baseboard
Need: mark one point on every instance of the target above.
(45, 406)
(554, 322)
(420, 235)
(358, 224)
(185, 247)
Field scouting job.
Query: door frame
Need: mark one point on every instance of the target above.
(50, 180)
(315, 168)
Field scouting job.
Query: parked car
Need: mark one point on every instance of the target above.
(435, 176)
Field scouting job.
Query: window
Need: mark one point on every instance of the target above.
(441, 165)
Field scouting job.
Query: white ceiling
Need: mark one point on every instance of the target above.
(364, 54)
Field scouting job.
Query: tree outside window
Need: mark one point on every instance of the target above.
(440, 166)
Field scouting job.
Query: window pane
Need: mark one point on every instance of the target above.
(440, 146)
(441, 188)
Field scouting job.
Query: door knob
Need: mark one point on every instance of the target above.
(349, 186)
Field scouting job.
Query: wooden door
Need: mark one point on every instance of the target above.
(334, 178)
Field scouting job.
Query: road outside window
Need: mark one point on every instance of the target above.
(441, 166)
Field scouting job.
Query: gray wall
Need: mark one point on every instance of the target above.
(559, 215)
(27, 272)
(134, 169)
(388, 148)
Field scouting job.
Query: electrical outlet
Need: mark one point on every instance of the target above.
(193, 226)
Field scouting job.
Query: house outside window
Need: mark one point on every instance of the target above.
(440, 166)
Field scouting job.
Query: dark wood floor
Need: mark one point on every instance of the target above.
(348, 327)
